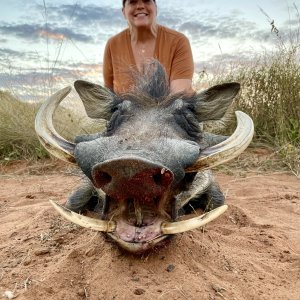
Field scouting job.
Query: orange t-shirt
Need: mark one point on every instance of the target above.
(172, 50)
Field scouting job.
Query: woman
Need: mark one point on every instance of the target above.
(142, 40)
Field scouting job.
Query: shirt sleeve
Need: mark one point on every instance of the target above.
(108, 74)
(182, 64)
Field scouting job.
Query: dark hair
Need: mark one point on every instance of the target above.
(124, 1)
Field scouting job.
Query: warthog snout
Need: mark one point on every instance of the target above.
(134, 178)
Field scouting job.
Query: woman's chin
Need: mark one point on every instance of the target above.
(142, 24)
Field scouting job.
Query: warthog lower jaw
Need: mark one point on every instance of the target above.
(138, 247)
(140, 238)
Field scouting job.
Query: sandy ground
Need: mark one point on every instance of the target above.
(251, 252)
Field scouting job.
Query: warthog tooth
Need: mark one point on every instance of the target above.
(95, 224)
(174, 210)
(190, 224)
(105, 209)
(138, 212)
(163, 170)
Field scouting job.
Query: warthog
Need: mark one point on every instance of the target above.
(150, 169)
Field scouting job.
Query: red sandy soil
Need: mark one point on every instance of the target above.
(250, 252)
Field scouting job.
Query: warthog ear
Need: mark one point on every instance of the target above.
(213, 103)
(96, 99)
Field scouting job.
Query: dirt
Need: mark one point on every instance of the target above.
(250, 252)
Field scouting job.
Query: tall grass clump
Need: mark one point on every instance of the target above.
(270, 94)
(17, 135)
(18, 139)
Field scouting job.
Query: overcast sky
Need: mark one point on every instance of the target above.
(64, 40)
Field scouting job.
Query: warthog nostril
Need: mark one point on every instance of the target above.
(135, 178)
(101, 178)
(157, 178)
(163, 178)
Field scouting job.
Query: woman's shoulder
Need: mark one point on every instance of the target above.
(119, 37)
(170, 32)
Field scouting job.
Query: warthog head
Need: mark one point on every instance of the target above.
(151, 164)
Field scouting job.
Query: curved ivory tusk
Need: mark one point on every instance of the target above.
(91, 223)
(228, 149)
(190, 224)
(44, 128)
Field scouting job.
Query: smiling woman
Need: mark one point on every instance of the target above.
(144, 39)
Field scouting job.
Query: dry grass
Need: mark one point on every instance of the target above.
(270, 94)
(256, 160)
(17, 134)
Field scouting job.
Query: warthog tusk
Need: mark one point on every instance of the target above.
(46, 132)
(95, 224)
(228, 149)
(193, 223)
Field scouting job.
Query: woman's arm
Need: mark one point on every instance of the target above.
(182, 67)
(181, 85)
(108, 74)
